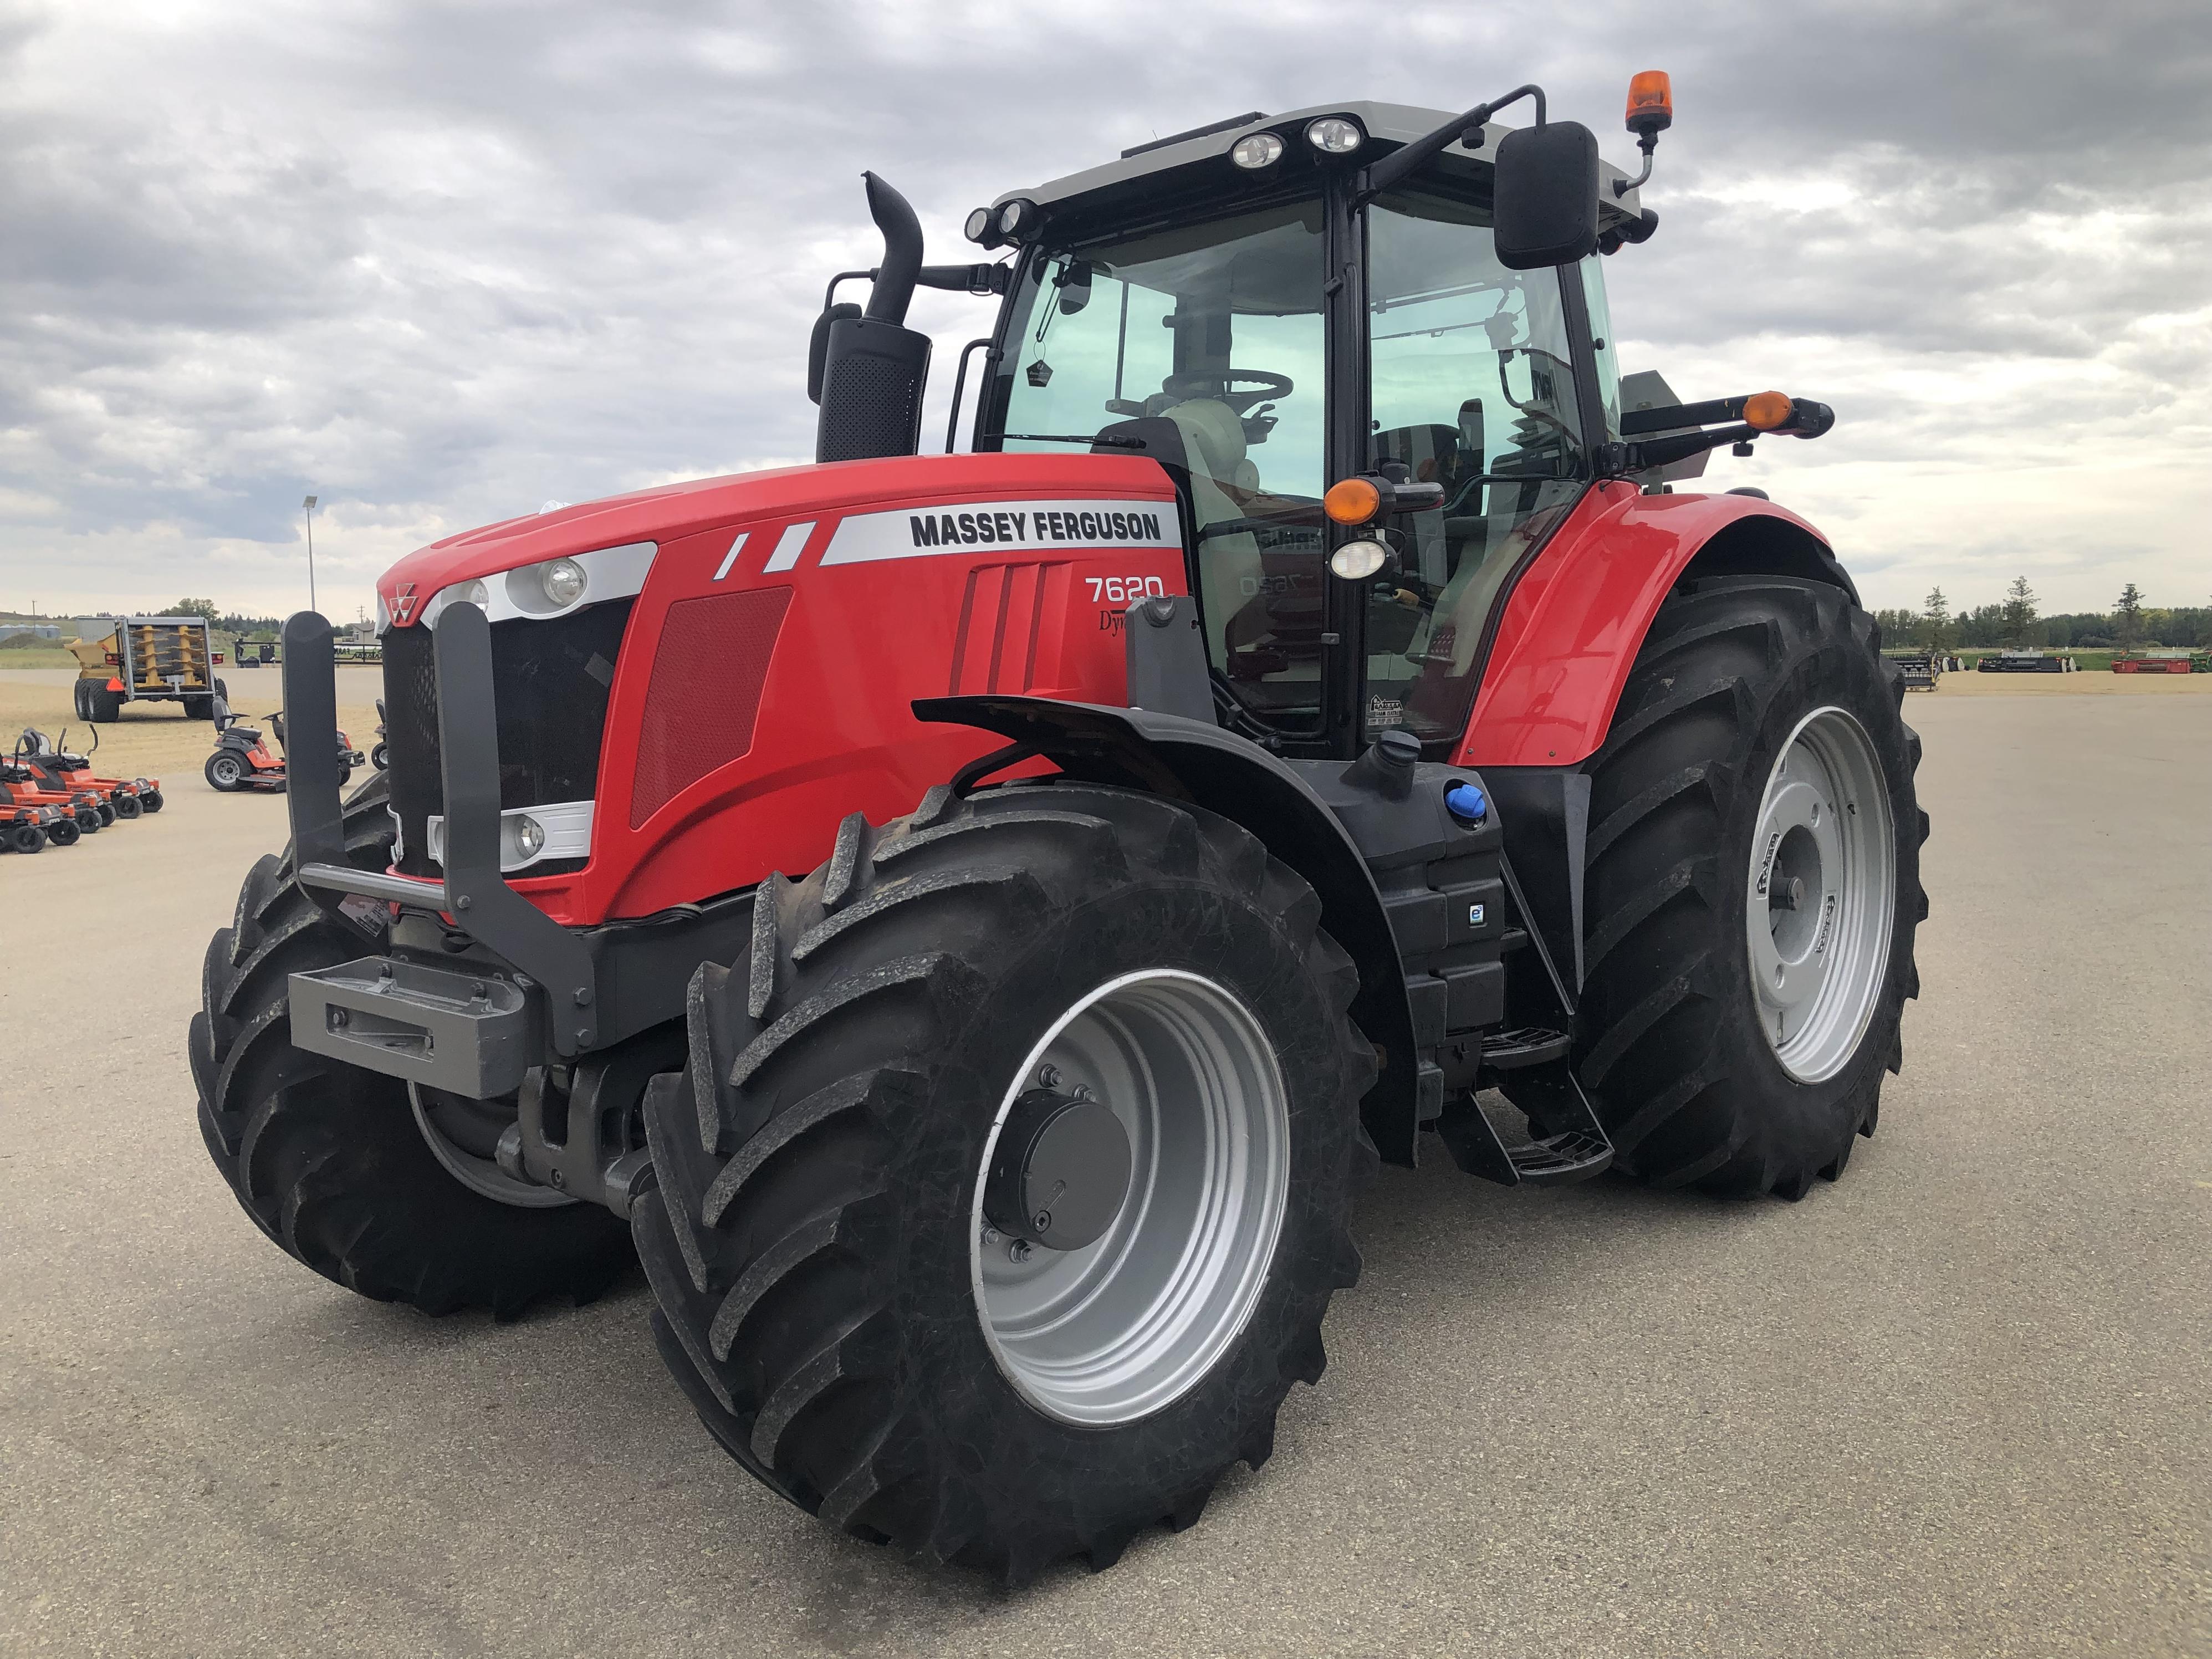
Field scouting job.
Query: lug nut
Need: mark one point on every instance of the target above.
(1047, 1076)
(1018, 1250)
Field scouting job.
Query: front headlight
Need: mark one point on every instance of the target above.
(564, 581)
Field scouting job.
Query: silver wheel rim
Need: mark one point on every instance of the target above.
(226, 768)
(1117, 1330)
(1822, 895)
(475, 1171)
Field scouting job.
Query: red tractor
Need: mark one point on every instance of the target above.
(970, 923)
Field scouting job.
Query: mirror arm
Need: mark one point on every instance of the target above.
(1393, 167)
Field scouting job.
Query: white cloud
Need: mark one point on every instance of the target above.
(439, 262)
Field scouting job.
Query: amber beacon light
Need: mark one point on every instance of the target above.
(1651, 102)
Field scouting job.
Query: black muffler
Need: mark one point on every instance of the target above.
(868, 367)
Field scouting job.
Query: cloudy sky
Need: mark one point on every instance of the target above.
(439, 262)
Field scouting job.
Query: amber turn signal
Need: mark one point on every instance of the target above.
(1651, 101)
(1352, 500)
(1767, 409)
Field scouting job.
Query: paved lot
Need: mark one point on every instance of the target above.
(1955, 1405)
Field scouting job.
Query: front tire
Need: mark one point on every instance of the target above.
(829, 1296)
(326, 1159)
(1752, 886)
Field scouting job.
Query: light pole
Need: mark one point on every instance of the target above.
(309, 505)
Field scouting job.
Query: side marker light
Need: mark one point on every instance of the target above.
(1352, 500)
(1767, 409)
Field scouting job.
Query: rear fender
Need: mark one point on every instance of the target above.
(1199, 763)
(1574, 623)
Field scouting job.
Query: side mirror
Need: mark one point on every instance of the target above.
(1545, 200)
(817, 349)
(1074, 285)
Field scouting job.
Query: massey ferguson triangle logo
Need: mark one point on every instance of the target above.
(403, 603)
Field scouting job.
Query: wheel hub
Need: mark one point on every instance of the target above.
(1061, 1170)
(1822, 895)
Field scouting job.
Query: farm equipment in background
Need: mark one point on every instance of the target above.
(2163, 662)
(243, 760)
(1920, 669)
(2022, 662)
(82, 812)
(28, 828)
(58, 769)
(147, 659)
(380, 752)
(1304, 718)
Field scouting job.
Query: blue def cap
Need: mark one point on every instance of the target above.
(1466, 803)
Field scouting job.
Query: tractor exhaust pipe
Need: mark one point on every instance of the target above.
(873, 368)
(895, 278)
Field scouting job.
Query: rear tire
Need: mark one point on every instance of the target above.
(1735, 675)
(225, 771)
(326, 1159)
(102, 706)
(200, 707)
(813, 1240)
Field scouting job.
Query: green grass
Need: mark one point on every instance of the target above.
(37, 656)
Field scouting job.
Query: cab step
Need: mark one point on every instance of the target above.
(1523, 1046)
(1576, 1149)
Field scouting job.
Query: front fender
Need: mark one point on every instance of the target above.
(1199, 763)
(1573, 624)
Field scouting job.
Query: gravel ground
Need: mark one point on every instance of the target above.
(1953, 1405)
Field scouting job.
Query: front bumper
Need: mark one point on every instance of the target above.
(549, 993)
(548, 959)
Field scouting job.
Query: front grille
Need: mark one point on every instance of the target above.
(549, 683)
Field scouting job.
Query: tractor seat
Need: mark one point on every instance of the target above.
(245, 733)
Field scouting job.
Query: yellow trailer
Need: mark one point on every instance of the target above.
(148, 659)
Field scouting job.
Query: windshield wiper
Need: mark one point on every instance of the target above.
(1071, 438)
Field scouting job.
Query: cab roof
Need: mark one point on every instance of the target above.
(1189, 159)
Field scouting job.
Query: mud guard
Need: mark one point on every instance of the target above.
(1197, 761)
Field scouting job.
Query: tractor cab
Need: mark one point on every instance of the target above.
(1270, 306)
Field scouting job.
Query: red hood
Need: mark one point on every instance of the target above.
(683, 509)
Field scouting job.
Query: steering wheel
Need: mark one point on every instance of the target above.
(1218, 387)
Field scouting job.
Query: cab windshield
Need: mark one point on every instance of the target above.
(1206, 339)
(1203, 346)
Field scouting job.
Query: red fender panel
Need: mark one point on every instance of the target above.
(1573, 625)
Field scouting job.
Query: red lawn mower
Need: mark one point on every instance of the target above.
(243, 761)
(59, 770)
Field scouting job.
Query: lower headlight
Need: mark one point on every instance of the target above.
(529, 835)
(1357, 560)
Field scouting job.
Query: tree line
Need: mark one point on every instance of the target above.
(2016, 622)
